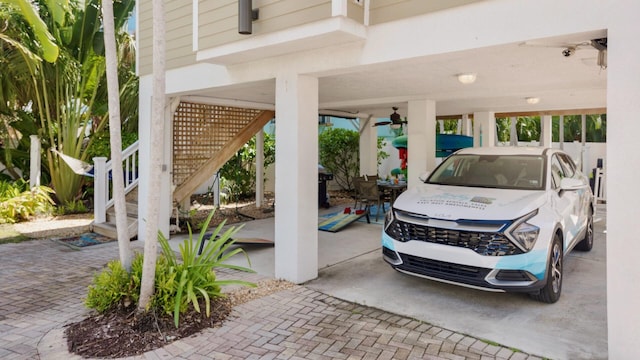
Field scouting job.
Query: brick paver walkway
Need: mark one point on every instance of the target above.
(42, 284)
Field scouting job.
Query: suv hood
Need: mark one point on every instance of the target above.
(469, 203)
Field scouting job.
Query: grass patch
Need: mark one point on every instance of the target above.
(9, 235)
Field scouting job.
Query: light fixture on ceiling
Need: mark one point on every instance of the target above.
(467, 78)
(532, 100)
(394, 121)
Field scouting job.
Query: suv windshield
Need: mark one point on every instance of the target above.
(494, 171)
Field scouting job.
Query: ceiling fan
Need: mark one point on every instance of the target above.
(395, 121)
(569, 49)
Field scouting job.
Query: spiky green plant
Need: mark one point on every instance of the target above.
(193, 278)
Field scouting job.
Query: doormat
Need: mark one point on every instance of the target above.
(337, 222)
(84, 240)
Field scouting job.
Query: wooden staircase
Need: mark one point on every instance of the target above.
(109, 229)
(205, 138)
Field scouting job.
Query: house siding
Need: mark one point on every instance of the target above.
(218, 20)
(179, 47)
(382, 11)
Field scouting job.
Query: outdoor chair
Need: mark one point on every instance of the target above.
(367, 194)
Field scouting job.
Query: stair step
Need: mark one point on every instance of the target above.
(109, 229)
(132, 212)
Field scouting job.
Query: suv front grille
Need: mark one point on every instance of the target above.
(443, 270)
(483, 243)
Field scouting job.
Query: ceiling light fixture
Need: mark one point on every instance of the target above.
(532, 100)
(467, 78)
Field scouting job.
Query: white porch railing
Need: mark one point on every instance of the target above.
(103, 185)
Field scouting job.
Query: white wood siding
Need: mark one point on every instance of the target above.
(382, 11)
(179, 35)
(219, 19)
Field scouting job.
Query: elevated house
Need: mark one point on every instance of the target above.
(230, 72)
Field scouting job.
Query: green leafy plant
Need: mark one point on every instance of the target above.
(18, 202)
(381, 154)
(338, 152)
(101, 145)
(72, 207)
(114, 286)
(194, 279)
(238, 175)
(177, 284)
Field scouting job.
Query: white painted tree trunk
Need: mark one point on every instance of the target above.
(157, 145)
(115, 134)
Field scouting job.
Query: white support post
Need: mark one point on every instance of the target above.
(583, 148)
(622, 173)
(421, 139)
(34, 165)
(513, 131)
(368, 147)
(296, 216)
(259, 168)
(484, 128)
(561, 132)
(144, 133)
(467, 128)
(545, 131)
(100, 191)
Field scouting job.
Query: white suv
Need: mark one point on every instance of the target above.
(493, 218)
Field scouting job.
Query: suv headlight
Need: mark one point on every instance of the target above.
(523, 234)
(388, 218)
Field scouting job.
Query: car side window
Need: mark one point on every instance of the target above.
(557, 173)
(567, 164)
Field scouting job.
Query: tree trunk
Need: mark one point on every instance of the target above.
(156, 151)
(115, 134)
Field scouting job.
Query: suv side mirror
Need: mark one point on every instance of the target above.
(571, 184)
(424, 176)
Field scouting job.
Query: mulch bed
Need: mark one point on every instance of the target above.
(121, 332)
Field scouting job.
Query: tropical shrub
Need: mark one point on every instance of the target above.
(339, 154)
(178, 285)
(238, 175)
(101, 145)
(18, 202)
(114, 286)
(65, 95)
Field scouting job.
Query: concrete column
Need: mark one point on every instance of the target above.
(467, 129)
(561, 132)
(513, 131)
(623, 171)
(296, 190)
(259, 168)
(144, 134)
(166, 181)
(545, 131)
(368, 147)
(421, 143)
(34, 164)
(484, 128)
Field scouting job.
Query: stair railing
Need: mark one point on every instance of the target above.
(103, 184)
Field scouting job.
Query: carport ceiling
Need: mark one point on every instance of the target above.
(506, 75)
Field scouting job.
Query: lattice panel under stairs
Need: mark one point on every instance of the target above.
(201, 132)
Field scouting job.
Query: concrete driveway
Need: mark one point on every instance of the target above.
(351, 268)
